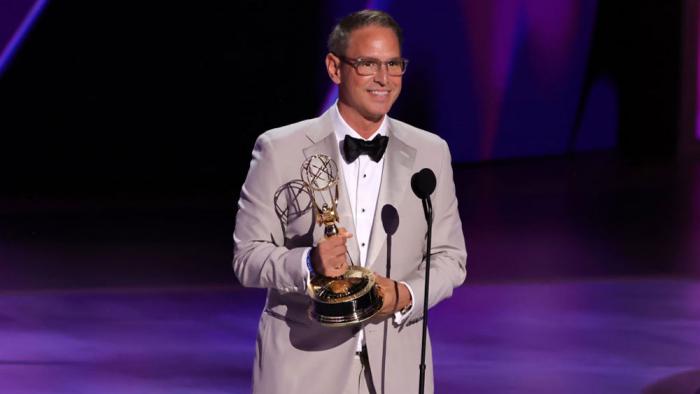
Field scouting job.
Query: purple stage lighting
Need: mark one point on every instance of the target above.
(502, 78)
(16, 18)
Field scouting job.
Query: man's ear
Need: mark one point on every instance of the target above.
(333, 68)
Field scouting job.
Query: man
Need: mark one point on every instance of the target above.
(279, 246)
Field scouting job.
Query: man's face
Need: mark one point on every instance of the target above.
(371, 96)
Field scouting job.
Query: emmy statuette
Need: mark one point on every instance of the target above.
(352, 297)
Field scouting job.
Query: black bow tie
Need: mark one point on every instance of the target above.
(354, 147)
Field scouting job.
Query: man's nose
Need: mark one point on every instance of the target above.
(382, 74)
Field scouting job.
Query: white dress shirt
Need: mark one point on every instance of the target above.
(362, 179)
(363, 175)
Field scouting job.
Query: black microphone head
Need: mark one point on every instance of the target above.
(390, 219)
(423, 183)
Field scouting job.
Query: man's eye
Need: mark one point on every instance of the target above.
(367, 63)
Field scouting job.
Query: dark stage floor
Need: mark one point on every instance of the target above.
(602, 336)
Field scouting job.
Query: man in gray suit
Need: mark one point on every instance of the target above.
(279, 246)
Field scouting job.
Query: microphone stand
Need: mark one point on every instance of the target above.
(423, 184)
(428, 210)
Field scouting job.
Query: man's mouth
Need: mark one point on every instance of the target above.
(379, 92)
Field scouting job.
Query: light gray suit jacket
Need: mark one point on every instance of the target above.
(274, 225)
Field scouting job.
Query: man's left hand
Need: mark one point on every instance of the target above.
(395, 296)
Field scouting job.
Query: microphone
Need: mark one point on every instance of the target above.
(423, 184)
(390, 219)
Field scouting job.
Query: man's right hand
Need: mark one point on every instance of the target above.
(329, 256)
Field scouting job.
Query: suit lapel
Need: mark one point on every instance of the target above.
(396, 176)
(324, 142)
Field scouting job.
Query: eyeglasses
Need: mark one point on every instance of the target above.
(366, 66)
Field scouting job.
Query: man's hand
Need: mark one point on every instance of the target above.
(395, 296)
(329, 256)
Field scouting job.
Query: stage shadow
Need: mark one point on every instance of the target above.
(683, 383)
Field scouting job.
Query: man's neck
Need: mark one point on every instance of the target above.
(363, 126)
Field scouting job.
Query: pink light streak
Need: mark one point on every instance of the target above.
(496, 31)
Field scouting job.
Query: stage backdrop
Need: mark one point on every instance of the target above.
(135, 93)
(497, 79)
(500, 79)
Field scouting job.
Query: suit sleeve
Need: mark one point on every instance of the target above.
(259, 257)
(448, 259)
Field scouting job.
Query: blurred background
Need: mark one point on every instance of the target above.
(127, 129)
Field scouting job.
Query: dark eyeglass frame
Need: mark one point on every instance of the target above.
(374, 65)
